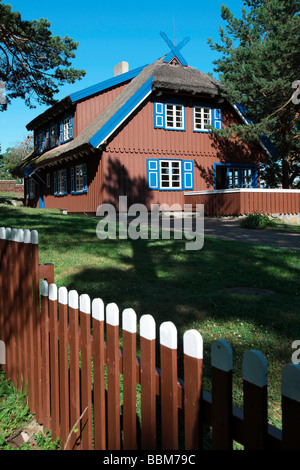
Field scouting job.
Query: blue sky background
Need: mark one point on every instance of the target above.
(109, 32)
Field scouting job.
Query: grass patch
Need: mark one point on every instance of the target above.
(262, 221)
(191, 288)
(15, 419)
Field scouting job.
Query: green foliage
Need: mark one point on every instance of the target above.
(258, 68)
(256, 221)
(33, 62)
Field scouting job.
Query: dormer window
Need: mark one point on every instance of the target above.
(53, 136)
(169, 116)
(40, 142)
(66, 129)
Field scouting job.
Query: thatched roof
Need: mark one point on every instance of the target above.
(164, 77)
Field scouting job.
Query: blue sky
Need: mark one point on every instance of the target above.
(109, 32)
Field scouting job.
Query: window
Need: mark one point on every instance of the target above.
(79, 179)
(66, 129)
(60, 183)
(247, 177)
(202, 118)
(40, 142)
(53, 136)
(169, 116)
(170, 175)
(235, 175)
(48, 180)
(174, 116)
(31, 188)
(233, 178)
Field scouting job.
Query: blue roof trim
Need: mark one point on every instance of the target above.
(121, 114)
(178, 56)
(92, 90)
(264, 139)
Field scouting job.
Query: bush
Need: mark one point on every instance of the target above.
(256, 221)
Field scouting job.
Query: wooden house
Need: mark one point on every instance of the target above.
(144, 134)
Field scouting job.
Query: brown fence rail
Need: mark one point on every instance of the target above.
(92, 395)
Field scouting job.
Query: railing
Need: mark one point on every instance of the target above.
(94, 395)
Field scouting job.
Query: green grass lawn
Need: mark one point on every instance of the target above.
(190, 288)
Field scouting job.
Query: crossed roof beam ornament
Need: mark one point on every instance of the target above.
(175, 49)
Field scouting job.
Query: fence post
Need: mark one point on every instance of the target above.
(255, 400)
(63, 363)
(19, 306)
(148, 382)
(99, 374)
(28, 318)
(13, 313)
(113, 382)
(86, 372)
(2, 291)
(290, 391)
(221, 361)
(169, 385)
(54, 369)
(74, 368)
(45, 355)
(193, 363)
(36, 323)
(129, 378)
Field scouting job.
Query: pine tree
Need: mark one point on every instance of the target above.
(260, 69)
(33, 62)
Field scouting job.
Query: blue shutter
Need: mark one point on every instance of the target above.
(153, 174)
(71, 128)
(159, 115)
(72, 180)
(85, 186)
(217, 118)
(55, 182)
(61, 131)
(65, 182)
(187, 174)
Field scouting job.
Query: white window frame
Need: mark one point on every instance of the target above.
(162, 176)
(233, 171)
(53, 132)
(67, 125)
(79, 187)
(60, 182)
(247, 177)
(171, 111)
(200, 117)
(31, 188)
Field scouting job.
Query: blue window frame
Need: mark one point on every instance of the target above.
(235, 175)
(170, 116)
(170, 175)
(66, 129)
(79, 183)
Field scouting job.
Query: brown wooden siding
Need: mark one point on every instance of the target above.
(235, 203)
(87, 110)
(78, 202)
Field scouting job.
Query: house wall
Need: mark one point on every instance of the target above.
(86, 202)
(124, 161)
